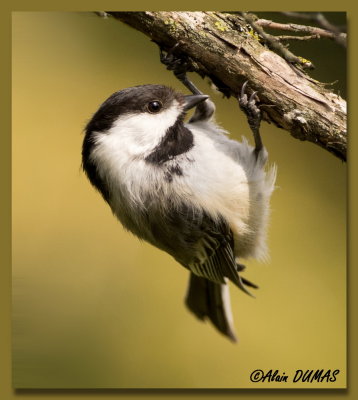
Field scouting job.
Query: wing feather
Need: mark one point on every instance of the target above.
(217, 260)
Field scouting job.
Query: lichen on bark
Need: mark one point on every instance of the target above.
(224, 47)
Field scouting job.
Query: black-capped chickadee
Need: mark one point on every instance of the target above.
(186, 188)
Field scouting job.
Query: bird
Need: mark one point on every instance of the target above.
(186, 188)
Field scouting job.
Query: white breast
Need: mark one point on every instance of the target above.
(220, 176)
(228, 180)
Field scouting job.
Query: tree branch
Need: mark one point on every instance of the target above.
(274, 44)
(223, 47)
(315, 17)
(283, 38)
(341, 38)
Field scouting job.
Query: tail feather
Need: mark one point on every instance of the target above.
(207, 299)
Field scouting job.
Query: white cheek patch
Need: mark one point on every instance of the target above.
(142, 132)
(120, 152)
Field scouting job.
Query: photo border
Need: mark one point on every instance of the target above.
(6, 391)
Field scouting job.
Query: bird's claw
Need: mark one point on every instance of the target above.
(254, 116)
(180, 65)
(249, 106)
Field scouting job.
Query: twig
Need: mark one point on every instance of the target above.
(286, 38)
(341, 38)
(316, 17)
(274, 43)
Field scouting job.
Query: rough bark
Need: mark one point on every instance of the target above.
(222, 47)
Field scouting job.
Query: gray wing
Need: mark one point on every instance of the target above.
(216, 259)
(199, 243)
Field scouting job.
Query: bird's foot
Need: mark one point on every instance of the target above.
(253, 113)
(249, 106)
(179, 64)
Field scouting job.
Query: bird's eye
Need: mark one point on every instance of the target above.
(154, 106)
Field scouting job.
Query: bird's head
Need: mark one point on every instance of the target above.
(140, 116)
(138, 123)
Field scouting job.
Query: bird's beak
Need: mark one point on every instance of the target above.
(192, 100)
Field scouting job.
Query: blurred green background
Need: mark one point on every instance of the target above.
(95, 308)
